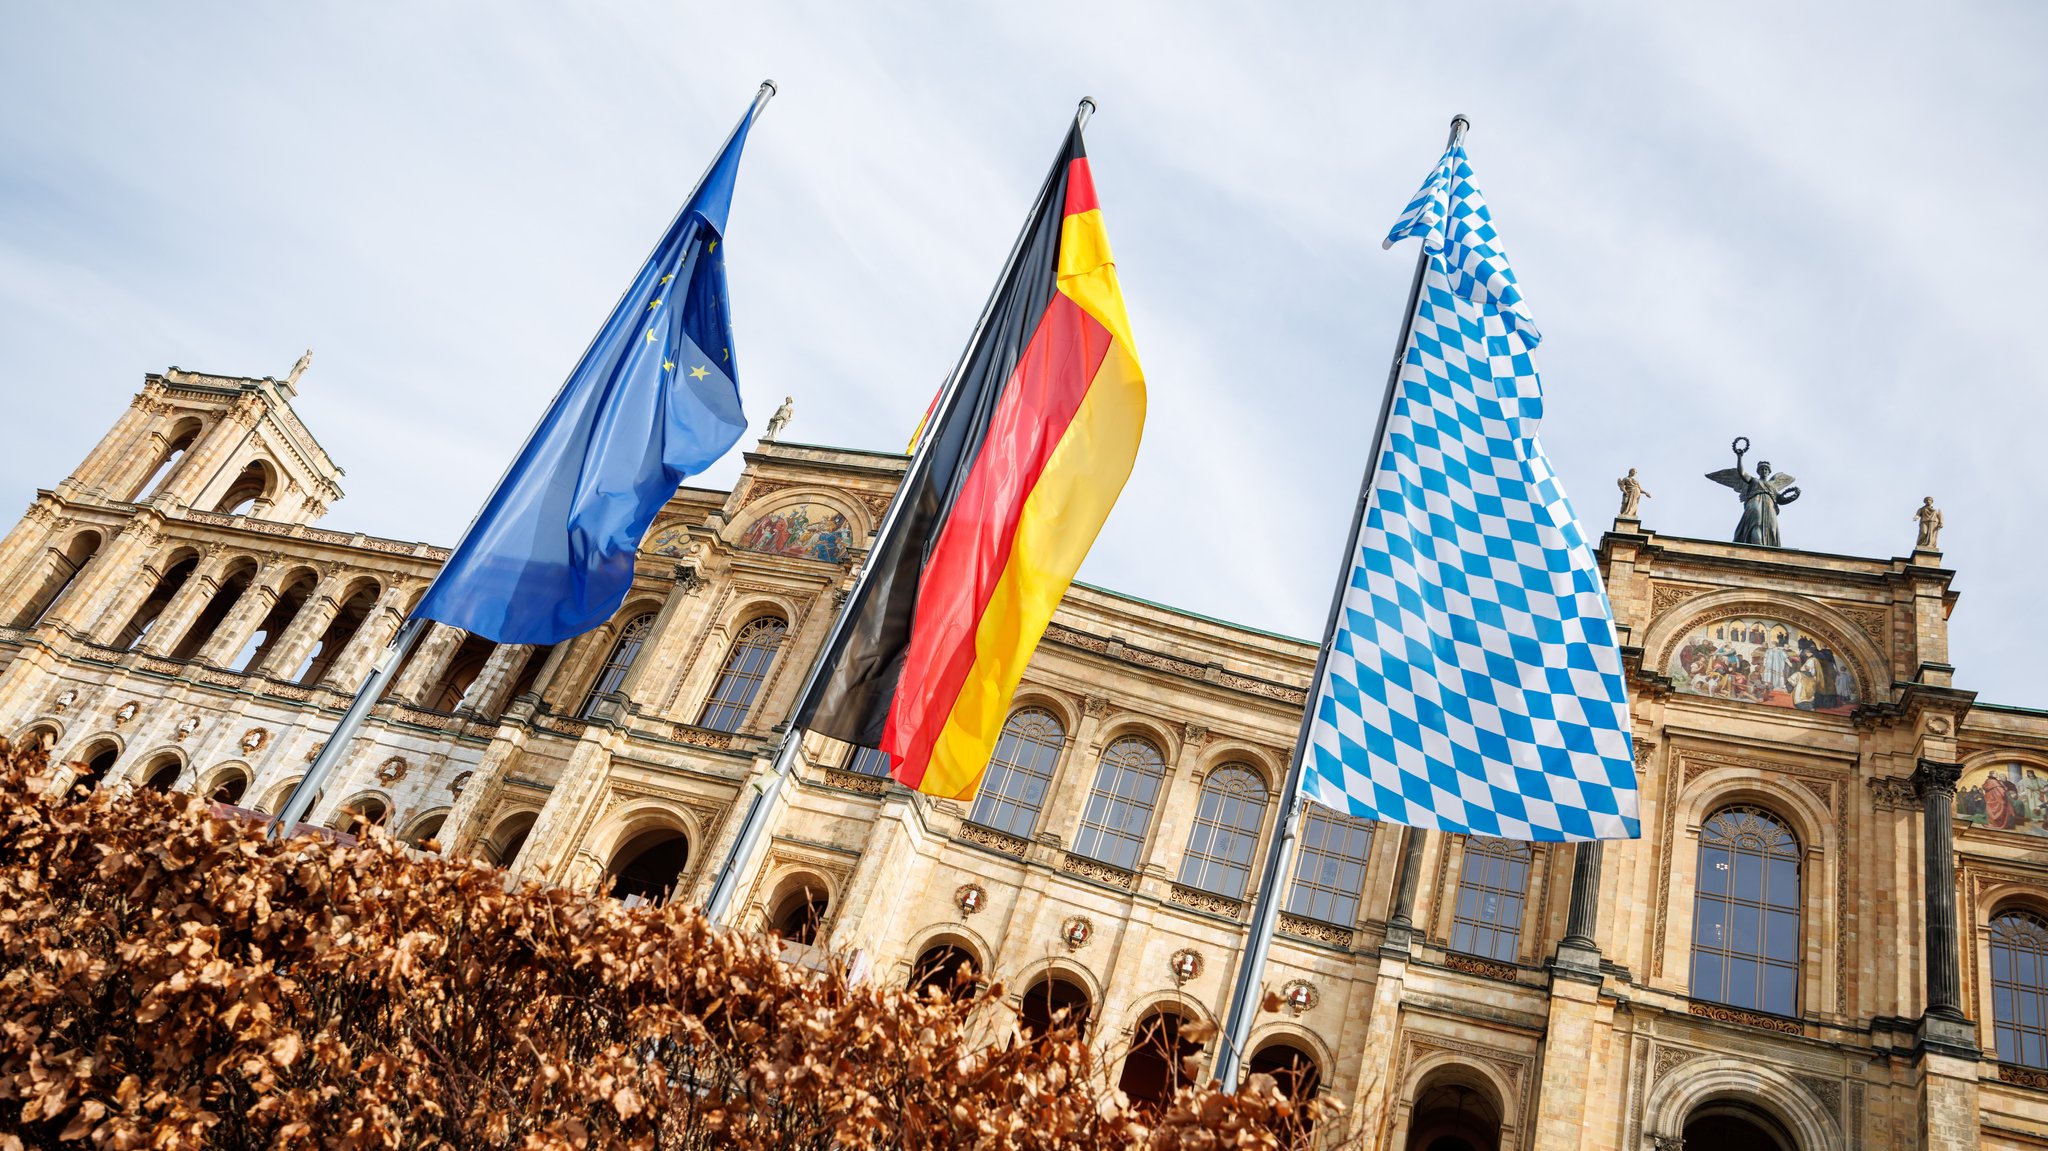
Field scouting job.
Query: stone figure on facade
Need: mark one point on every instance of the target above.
(779, 420)
(1930, 526)
(1762, 495)
(1632, 495)
(299, 369)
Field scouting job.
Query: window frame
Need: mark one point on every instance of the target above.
(717, 702)
(2030, 1040)
(1318, 891)
(1202, 867)
(1474, 930)
(1779, 843)
(1096, 829)
(995, 788)
(618, 663)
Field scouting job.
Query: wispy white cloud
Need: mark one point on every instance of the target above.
(1812, 224)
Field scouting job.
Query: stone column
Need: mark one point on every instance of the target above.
(468, 820)
(122, 605)
(234, 631)
(380, 623)
(27, 542)
(1578, 953)
(115, 454)
(204, 460)
(116, 564)
(1935, 783)
(486, 697)
(200, 588)
(304, 631)
(429, 663)
(1401, 924)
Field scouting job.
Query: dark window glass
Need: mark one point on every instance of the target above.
(1019, 773)
(2019, 988)
(618, 663)
(869, 761)
(746, 666)
(1745, 936)
(1492, 886)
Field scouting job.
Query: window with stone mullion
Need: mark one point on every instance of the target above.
(746, 666)
(1226, 832)
(1329, 870)
(1019, 773)
(2019, 988)
(1119, 811)
(1492, 886)
(1745, 946)
(618, 663)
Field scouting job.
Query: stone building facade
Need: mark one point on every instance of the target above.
(1833, 934)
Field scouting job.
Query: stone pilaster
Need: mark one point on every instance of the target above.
(466, 823)
(1568, 1063)
(487, 696)
(29, 539)
(117, 563)
(254, 603)
(178, 615)
(304, 630)
(380, 623)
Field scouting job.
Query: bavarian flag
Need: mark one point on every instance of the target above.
(1018, 473)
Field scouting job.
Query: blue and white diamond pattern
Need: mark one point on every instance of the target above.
(1474, 683)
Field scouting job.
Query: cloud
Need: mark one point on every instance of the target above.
(1810, 225)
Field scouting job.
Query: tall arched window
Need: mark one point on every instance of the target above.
(2019, 988)
(58, 569)
(746, 666)
(1120, 807)
(618, 663)
(1329, 871)
(1226, 831)
(1020, 772)
(1745, 933)
(1492, 886)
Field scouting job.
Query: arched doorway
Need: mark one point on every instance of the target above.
(93, 766)
(161, 774)
(502, 846)
(1454, 1111)
(1733, 1125)
(948, 967)
(649, 865)
(798, 911)
(1053, 1000)
(426, 829)
(359, 817)
(1153, 1070)
(1292, 1069)
(228, 788)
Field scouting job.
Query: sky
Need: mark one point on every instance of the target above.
(1813, 225)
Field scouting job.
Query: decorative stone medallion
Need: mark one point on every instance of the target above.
(185, 728)
(255, 739)
(126, 712)
(456, 785)
(1076, 932)
(1299, 995)
(1186, 964)
(65, 699)
(970, 898)
(393, 770)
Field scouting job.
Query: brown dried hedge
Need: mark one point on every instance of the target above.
(168, 979)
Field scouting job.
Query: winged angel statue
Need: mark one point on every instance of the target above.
(1762, 495)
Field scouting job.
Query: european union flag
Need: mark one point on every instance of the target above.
(652, 401)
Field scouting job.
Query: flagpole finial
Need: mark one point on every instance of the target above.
(768, 86)
(1083, 110)
(1459, 126)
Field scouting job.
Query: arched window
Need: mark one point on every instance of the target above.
(1019, 773)
(1120, 807)
(799, 909)
(1226, 832)
(225, 597)
(1329, 870)
(1492, 886)
(160, 775)
(1153, 1069)
(251, 486)
(229, 788)
(2019, 988)
(618, 663)
(57, 571)
(348, 619)
(94, 766)
(746, 666)
(947, 968)
(167, 464)
(358, 818)
(1745, 933)
(146, 613)
(1292, 1069)
(463, 669)
(650, 865)
(1054, 1002)
(256, 649)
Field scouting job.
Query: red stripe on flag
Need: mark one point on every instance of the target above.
(973, 547)
(1080, 187)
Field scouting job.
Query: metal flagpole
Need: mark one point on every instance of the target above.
(1245, 996)
(379, 679)
(765, 789)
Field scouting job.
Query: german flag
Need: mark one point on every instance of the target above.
(1016, 477)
